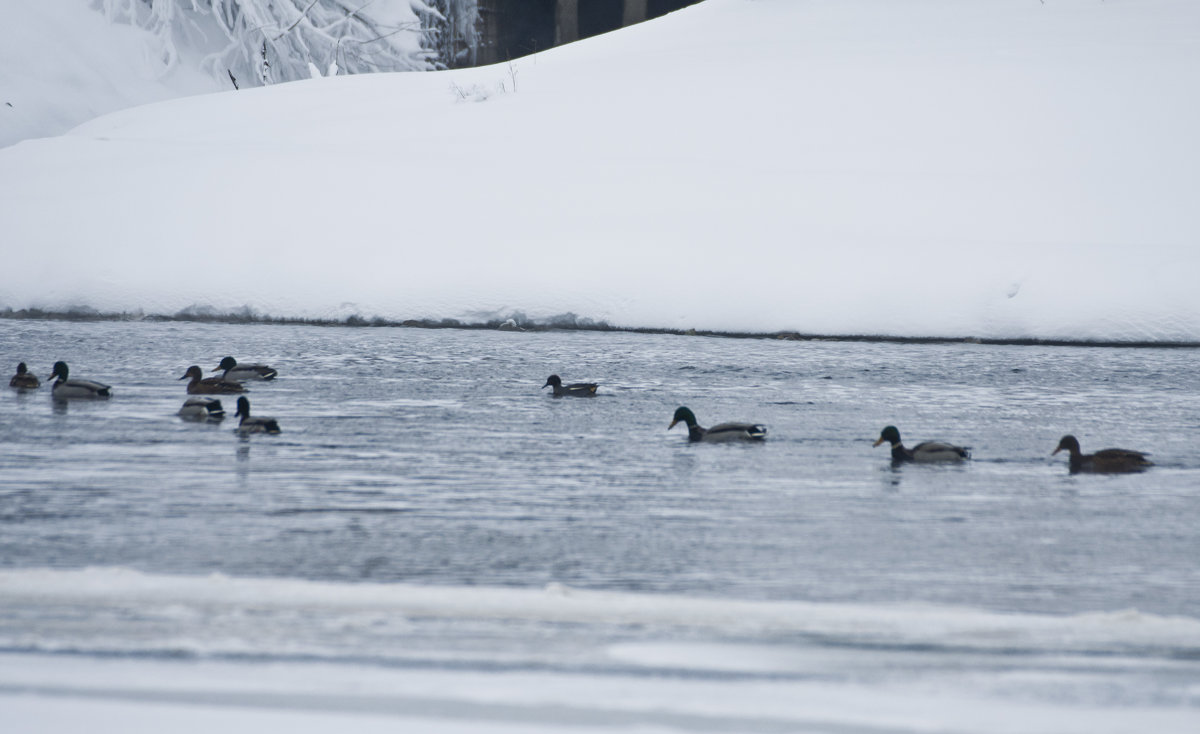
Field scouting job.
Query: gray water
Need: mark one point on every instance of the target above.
(429, 514)
(432, 457)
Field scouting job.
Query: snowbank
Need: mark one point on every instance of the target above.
(62, 63)
(936, 168)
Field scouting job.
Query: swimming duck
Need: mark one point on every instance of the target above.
(65, 388)
(719, 432)
(24, 379)
(928, 451)
(238, 372)
(1108, 461)
(209, 386)
(253, 425)
(574, 390)
(202, 409)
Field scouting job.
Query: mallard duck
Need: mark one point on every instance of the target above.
(253, 425)
(65, 388)
(211, 385)
(719, 432)
(1108, 461)
(202, 409)
(24, 379)
(574, 390)
(238, 372)
(928, 451)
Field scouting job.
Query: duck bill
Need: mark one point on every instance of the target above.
(672, 425)
(877, 442)
(1055, 451)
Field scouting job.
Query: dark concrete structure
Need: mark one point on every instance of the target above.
(511, 28)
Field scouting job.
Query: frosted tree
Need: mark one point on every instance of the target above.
(452, 31)
(266, 41)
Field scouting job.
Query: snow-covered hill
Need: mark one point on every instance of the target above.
(62, 63)
(927, 168)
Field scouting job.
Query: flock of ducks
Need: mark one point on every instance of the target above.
(202, 406)
(199, 407)
(1108, 461)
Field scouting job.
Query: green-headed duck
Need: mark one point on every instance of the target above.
(239, 372)
(926, 452)
(719, 432)
(256, 424)
(65, 388)
(202, 409)
(574, 390)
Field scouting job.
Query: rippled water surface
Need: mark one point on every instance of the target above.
(435, 538)
(432, 456)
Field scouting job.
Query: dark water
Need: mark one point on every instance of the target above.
(432, 457)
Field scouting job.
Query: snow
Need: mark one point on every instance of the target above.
(992, 169)
(62, 64)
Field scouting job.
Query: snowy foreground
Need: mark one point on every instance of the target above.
(1061, 674)
(933, 168)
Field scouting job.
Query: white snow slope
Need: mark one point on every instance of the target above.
(62, 64)
(996, 169)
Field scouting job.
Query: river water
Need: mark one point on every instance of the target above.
(428, 510)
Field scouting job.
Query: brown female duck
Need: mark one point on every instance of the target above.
(24, 379)
(574, 390)
(1108, 461)
(211, 385)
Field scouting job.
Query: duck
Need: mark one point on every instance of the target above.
(720, 432)
(65, 388)
(209, 386)
(24, 379)
(256, 424)
(202, 409)
(574, 390)
(925, 452)
(1107, 461)
(238, 372)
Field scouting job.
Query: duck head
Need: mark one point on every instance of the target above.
(243, 408)
(21, 368)
(60, 370)
(193, 372)
(554, 380)
(891, 434)
(1067, 443)
(226, 364)
(683, 415)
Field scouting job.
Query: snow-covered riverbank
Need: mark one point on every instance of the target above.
(993, 169)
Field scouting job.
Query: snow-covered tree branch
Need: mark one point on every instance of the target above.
(452, 30)
(268, 41)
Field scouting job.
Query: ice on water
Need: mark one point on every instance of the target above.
(749, 668)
